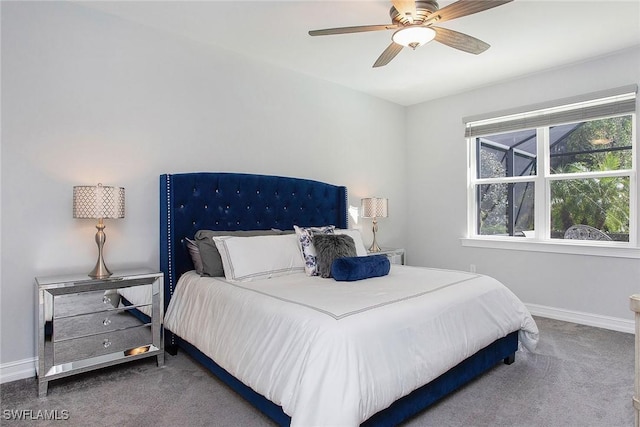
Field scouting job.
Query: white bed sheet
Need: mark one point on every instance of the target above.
(335, 353)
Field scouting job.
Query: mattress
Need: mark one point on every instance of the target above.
(335, 353)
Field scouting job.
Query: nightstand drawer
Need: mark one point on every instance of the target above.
(97, 345)
(80, 303)
(94, 323)
(71, 304)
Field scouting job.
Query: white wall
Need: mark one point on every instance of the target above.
(570, 284)
(90, 98)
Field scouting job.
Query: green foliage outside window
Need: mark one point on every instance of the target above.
(603, 203)
(590, 142)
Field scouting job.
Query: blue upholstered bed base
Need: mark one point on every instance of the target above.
(402, 409)
(229, 201)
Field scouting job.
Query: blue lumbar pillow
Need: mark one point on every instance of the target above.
(348, 269)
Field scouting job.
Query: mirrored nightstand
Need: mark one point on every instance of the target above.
(84, 324)
(395, 255)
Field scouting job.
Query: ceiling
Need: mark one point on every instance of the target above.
(526, 36)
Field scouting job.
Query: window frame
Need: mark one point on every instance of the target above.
(541, 241)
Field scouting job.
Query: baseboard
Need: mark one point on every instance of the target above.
(597, 320)
(18, 370)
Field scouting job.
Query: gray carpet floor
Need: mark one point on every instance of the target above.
(579, 376)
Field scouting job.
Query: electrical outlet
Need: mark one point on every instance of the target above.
(472, 268)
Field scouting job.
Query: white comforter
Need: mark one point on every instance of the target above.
(335, 353)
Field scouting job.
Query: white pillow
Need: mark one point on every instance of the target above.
(259, 257)
(357, 239)
(306, 247)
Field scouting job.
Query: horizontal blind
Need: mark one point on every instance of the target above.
(616, 102)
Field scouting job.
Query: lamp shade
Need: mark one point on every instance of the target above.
(374, 207)
(98, 201)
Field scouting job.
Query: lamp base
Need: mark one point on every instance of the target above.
(100, 271)
(374, 247)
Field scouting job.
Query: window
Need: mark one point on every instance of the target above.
(566, 171)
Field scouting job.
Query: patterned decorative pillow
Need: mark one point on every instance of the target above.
(308, 250)
(330, 247)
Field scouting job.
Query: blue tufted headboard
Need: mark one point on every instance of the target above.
(234, 201)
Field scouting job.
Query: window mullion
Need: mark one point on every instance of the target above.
(634, 212)
(511, 209)
(473, 153)
(542, 197)
(589, 175)
(505, 179)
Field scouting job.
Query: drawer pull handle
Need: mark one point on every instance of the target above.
(106, 321)
(106, 343)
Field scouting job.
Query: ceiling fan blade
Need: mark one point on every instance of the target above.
(460, 41)
(347, 30)
(389, 53)
(406, 8)
(463, 8)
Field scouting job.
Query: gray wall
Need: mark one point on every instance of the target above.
(89, 98)
(572, 285)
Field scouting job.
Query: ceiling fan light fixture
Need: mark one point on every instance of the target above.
(413, 36)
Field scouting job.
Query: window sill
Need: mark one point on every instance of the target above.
(601, 249)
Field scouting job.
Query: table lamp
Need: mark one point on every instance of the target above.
(374, 207)
(98, 202)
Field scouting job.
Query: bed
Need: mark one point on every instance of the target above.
(310, 350)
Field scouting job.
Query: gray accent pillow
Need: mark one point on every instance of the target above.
(329, 247)
(211, 261)
(194, 252)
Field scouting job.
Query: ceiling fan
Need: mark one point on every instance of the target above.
(414, 22)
